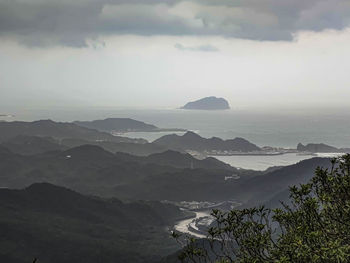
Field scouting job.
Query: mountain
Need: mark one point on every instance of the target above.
(268, 190)
(92, 170)
(55, 224)
(29, 145)
(192, 141)
(117, 125)
(56, 130)
(208, 103)
(319, 148)
(168, 176)
(178, 160)
(264, 188)
(251, 190)
(140, 149)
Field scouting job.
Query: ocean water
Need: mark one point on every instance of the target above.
(262, 162)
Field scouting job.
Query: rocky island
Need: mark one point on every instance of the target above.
(208, 103)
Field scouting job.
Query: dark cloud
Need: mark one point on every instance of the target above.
(74, 23)
(202, 48)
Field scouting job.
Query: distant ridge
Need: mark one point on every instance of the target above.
(192, 141)
(56, 130)
(91, 170)
(178, 160)
(117, 124)
(122, 125)
(320, 148)
(208, 103)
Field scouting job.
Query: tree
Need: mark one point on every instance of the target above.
(313, 227)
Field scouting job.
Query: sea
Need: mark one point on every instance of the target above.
(278, 128)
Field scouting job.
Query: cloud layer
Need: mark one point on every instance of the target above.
(76, 23)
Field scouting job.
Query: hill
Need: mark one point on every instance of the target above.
(55, 224)
(192, 141)
(179, 160)
(320, 148)
(140, 149)
(250, 189)
(56, 130)
(92, 170)
(208, 103)
(169, 176)
(117, 125)
(269, 187)
(29, 145)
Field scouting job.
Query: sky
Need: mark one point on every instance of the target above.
(162, 54)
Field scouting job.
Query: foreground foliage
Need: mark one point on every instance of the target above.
(313, 226)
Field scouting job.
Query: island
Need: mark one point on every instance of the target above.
(208, 103)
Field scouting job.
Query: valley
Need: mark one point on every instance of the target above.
(60, 182)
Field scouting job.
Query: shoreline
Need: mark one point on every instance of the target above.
(160, 130)
(245, 154)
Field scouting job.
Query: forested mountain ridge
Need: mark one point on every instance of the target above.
(55, 224)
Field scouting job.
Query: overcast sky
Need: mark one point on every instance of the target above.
(161, 54)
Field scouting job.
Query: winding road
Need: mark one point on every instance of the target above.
(185, 226)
